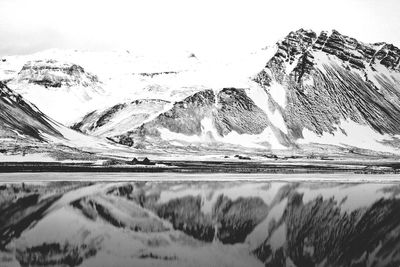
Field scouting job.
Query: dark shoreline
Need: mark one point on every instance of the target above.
(208, 167)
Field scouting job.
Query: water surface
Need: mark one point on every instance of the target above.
(152, 219)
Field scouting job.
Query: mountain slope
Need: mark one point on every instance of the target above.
(55, 86)
(120, 118)
(333, 84)
(208, 117)
(327, 88)
(20, 118)
(24, 129)
(104, 79)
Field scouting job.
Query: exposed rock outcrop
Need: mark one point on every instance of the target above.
(330, 78)
(207, 113)
(120, 118)
(52, 73)
(21, 118)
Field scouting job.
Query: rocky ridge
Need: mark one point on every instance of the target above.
(20, 118)
(331, 78)
(314, 86)
(207, 115)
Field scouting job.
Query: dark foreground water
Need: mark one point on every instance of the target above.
(89, 219)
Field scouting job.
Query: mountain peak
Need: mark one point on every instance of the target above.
(348, 83)
(347, 49)
(301, 36)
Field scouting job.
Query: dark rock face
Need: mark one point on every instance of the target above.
(348, 49)
(17, 115)
(153, 74)
(105, 117)
(125, 140)
(230, 110)
(334, 78)
(328, 80)
(51, 73)
(348, 96)
(294, 45)
(237, 112)
(94, 120)
(389, 56)
(185, 117)
(79, 125)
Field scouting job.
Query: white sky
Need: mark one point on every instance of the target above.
(203, 26)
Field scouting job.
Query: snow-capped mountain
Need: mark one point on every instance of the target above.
(208, 117)
(56, 86)
(308, 88)
(24, 128)
(82, 81)
(326, 88)
(331, 88)
(106, 79)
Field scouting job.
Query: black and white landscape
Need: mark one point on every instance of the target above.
(158, 133)
(311, 95)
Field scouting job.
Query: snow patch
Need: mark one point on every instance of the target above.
(28, 157)
(289, 67)
(358, 135)
(76, 139)
(261, 99)
(322, 60)
(392, 77)
(278, 93)
(210, 135)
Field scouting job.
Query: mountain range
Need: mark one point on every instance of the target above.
(326, 91)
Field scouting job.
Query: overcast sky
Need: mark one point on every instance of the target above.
(203, 26)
